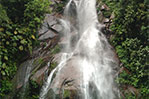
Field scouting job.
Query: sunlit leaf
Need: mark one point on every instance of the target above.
(20, 48)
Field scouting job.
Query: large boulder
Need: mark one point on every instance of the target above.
(50, 28)
(69, 76)
(48, 35)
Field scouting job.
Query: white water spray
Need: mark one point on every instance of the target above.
(93, 54)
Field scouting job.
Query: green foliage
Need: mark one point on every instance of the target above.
(107, 13)
(130, 26)
(55, 50)
(34, 13)
(19, 21)
(34, 90)
(53, 65)
(67, 93)
(6, 87)
(59, 6)
(3, 16)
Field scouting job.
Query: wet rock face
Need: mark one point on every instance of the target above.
(68, 78)
(66, 84)
(39, 75)
(49, 37)
(37, 63)
(65, 94)
(22, 73)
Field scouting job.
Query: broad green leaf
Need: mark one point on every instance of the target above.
(3, 73)
(5, 57)
(21, 48)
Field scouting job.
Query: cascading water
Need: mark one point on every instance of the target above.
(90, 49)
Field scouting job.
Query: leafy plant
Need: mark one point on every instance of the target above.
(130, 27)
(19, 22)
(55, 50)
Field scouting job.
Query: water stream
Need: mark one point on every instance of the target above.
(93, 53)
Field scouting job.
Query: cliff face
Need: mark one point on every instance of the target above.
(33, 72)
(129, 35)
(40, 63)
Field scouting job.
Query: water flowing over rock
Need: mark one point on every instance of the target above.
(87, 60)
(35, 67)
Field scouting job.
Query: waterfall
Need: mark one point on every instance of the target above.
(90, 49)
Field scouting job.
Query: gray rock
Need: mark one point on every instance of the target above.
(106, 20)
(57, 27)
(50, 19)
(23, 73)
(48, 35)
(71, 73)
(43, 29)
